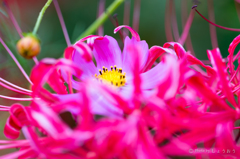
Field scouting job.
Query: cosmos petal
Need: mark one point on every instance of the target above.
(130, 48)
(154, 76)
(89, 68)
(107, 52)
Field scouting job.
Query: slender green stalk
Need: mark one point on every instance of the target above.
(91, 29)
(40, 16)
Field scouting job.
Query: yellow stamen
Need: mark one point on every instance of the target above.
(114, 76)
(100, 72)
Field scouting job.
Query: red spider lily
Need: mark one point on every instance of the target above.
(184, 102)
(149, 122)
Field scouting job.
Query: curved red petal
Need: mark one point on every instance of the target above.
(220, 67)
(133, 32)
(154, 53)
(231, 50)
(81, 48)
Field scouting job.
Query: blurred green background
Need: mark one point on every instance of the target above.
(79, 14)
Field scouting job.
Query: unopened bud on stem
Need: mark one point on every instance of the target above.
(28, 46)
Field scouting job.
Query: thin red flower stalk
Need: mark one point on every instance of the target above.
(168, 30)
(101, 7)
(126, 16)
(219, 26)
(64, 28)
(174, 21)
(136, 14)
(213, 32)
(16, 61)
(186, 28)
(184, 16)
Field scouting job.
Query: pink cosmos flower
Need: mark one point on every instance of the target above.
(112, 66)
(126, 70)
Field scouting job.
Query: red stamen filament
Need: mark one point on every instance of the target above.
(117, 24)
(174, 21)
(114, 21)
(219, 26)
(213, 32)
(14, 21)
(235, 73)
(16, 61)
(60, 17)
(4, 106)
(2, 109)
(168, 31)
(70, 83)
(14, 98)
(185, 17)
(136, 14)
(13, 89)
(101, 7)
(186, 28)
(126, 17)
(15, 86)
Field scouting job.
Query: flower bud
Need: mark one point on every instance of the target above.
(28, 47)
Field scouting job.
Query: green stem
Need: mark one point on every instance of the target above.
(40, 16)
(91, 29)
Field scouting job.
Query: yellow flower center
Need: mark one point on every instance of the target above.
(115, 76)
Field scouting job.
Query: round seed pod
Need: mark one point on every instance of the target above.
(28, 47)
